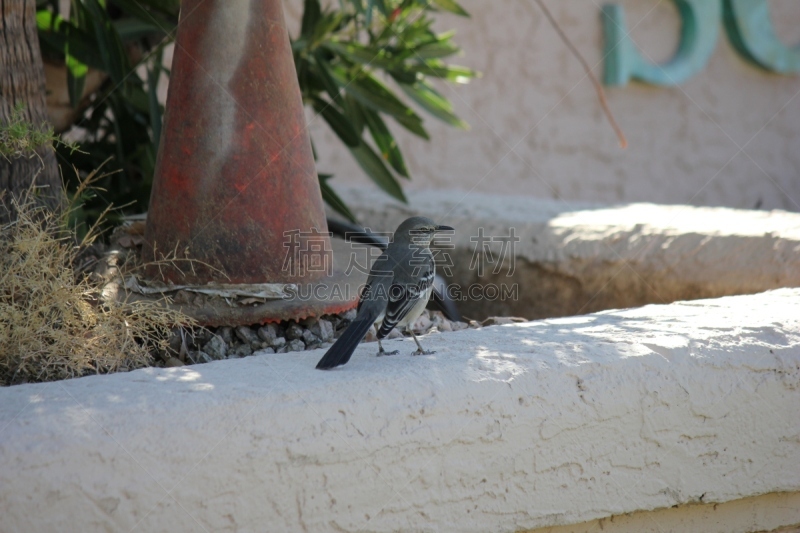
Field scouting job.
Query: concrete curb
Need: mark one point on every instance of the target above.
(506, 428)
(575, 258)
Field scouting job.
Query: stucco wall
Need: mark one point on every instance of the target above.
(503, 429)
(537, 128)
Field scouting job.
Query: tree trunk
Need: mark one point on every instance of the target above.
(22, 82)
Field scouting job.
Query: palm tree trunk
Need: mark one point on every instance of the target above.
(22, 82)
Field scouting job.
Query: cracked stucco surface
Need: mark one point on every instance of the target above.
(506, 428)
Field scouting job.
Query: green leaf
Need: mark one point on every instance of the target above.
(435, 50)
(338, 122)
(333, 200)
(434, 103)
(112, 52)
(451, 6)
(377, 171)
(372, 57)
(374, 94)
(311, 14)
(385, 142)
(324, 72)
(450, 73)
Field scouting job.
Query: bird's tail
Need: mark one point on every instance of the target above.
(343, 348)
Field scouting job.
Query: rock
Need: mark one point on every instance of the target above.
(323, 329)
(294, 331)
(282, 349)
(175, 341)
(279, 342)
(474, 324)
(349, 315)
(296, 345)
(309, 338)
(226, 333)
(445, 325)
(422, 324)
(372, 335)
(270, 333)
(502, 320)
(199, 357)
(395, 334)
(458, 326)
(243, 350)
(173, 362)
(248, 336)
(216, 348)
(265, 351)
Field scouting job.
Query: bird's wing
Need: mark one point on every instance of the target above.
(404, 296)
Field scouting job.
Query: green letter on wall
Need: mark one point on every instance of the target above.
(751, 33)
(699, 32)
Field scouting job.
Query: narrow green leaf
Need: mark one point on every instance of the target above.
(436, 50)
(385, 142)
(311, 14)
(377, 171)
(374, 94)
(111, 50)
(433, 102)
(324, 72)
(330, 197)
(373, 57)
(338, 122)
(451, 6)
(452, 73)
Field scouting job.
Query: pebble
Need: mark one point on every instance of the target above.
(294, 331)
(270, 333)
(226, 332)
(248, 336)
(199, 357)
(216, 348)
(323, 329)
(295, 345)
(422, 324)
(309, 338)
(502, 320)
(243, 350)
(395, 334)
(209, 344)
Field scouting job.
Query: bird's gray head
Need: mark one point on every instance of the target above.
(418, 230)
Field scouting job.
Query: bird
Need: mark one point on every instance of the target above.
(397, 290)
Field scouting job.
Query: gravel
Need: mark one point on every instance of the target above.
(213, 344)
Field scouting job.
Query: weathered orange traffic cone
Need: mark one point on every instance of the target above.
(235, 189)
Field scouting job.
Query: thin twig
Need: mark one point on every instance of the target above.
(601, 95)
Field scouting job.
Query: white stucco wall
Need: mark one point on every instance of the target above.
(503, 429)
(537, 129)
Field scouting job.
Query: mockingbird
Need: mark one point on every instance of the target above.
(397, 290)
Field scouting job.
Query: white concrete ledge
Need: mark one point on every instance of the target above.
(503, 429)
(575, 258)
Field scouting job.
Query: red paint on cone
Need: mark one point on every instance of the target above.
(235, 173)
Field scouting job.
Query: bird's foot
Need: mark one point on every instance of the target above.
(424, 352)
(384, 352)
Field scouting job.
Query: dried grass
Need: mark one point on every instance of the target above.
(53, 322)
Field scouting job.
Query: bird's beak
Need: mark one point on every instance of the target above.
(444, 228)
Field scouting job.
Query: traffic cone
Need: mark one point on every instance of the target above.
(235, 197)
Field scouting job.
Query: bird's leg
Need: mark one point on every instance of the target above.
(381, 351)
(420, 350)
